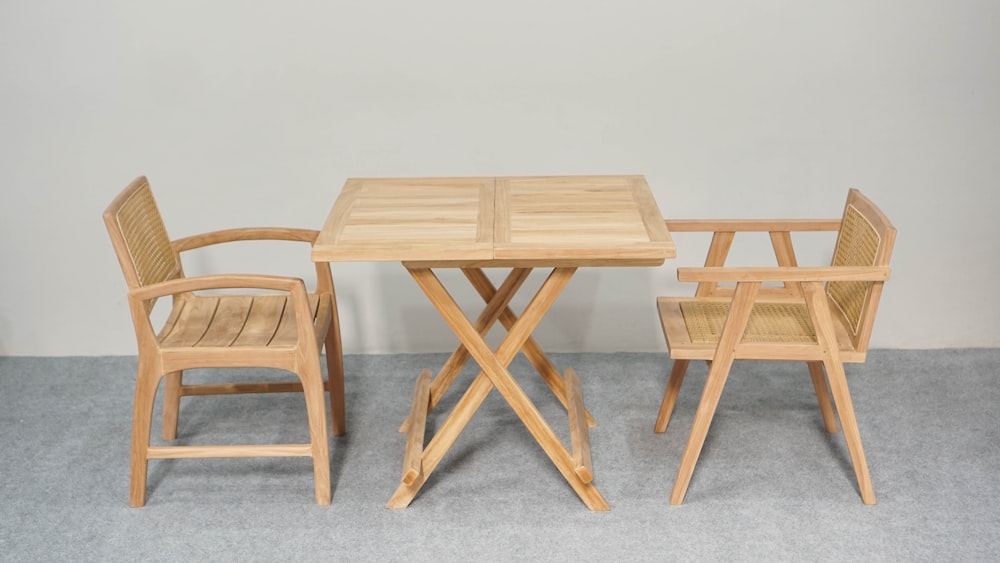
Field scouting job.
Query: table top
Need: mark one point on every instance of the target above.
(501, 221)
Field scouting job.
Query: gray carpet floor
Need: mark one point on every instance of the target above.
(770, 484)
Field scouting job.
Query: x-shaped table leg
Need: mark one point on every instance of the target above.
(497, 309)
(493, 363)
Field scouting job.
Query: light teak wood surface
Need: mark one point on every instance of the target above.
(409, 219)
(519, 223)
(506, 221)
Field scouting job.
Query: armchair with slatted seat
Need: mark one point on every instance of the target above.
(278, 325)
(819, 315)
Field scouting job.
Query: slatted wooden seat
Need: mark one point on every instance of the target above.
(820, 315)
(283, 327)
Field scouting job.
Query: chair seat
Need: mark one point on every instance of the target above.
(239, 321)
(693, 326)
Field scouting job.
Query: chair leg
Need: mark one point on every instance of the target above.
(670, 395)
(335, 379)
(845, 408)
(142, 418)
(171, 403)
(312, 387)
(718, 371)
(717, 375)
(822, 395)
(818, 309)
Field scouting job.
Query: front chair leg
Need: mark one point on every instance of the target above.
(147, 380)
(732, 334)
(312, 387)
(699, 430)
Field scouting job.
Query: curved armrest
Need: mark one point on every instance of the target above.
(324, 279)
(226, 281)
(785, 274)
(251, 233)
(759, 225)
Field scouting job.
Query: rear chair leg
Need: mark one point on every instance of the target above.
(670, 395)
(822, 395)
(335, 379)
(171, 403)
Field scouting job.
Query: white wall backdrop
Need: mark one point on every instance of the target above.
(255, 112)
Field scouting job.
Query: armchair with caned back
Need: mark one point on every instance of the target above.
(281, 325)
(819, 315)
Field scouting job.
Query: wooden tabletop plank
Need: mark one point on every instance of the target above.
(577, 220)
(409, 219)
(595, 220)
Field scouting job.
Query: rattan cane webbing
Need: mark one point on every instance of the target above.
(857, 246)
(146, 237)
(769, 322)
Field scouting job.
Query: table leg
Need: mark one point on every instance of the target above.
(495, 374)
(543, 365)
(496, 304)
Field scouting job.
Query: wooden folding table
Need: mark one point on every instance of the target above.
(518, 223)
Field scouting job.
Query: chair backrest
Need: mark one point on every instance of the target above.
(140, 237)
(866, 238)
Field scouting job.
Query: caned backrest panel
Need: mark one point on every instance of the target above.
(140, 237)
(857, 246)
(866, 238)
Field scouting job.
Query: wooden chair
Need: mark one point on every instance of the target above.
(820, 315)
(284, 329)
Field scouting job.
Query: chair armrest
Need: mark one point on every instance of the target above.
(252, 233)
(724, 231)
(324, 279)
(785, 274)
(759, 225)
(222, 281)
